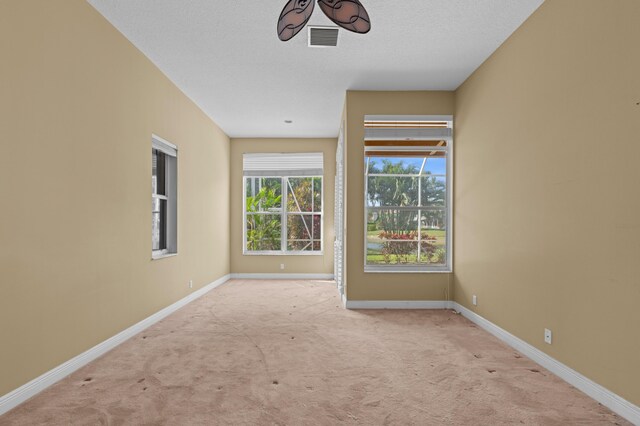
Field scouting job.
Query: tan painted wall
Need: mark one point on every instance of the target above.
(78, 105)
(547, 204)
(306, 264)
(382, 286)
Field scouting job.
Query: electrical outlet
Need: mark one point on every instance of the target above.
(190, 283)
(547, 336)
(474, 300)
(282, 266)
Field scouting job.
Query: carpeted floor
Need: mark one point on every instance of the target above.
(286, 352)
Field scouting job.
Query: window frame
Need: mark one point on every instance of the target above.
(426, 268)
(163, 200)
(284, 214)
(169, 227)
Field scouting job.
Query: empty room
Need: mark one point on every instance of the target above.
(320, 212)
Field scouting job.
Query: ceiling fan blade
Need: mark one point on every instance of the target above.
(294, 17)
(349, 14)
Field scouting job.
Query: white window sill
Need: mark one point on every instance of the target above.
(162, 255)
(406, 271)
(279, 253)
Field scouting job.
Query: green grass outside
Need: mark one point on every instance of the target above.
(378, 259)
(430, 232)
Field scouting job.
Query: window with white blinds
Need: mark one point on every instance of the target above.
(407, 194)
(283, 164)
(283, 203)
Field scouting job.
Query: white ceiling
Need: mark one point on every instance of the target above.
(226, 56)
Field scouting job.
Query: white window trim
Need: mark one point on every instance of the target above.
(163, 145)
(283, 213)
(418, 269)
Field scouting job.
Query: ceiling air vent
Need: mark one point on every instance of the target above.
(323, 36)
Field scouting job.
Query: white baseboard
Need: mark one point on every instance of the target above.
(604, 396)
(396, 304)
(615, 403)
(37, 385)
(282, 276)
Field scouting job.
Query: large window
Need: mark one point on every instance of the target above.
(283, 204)
(164, 178)
(407, 203)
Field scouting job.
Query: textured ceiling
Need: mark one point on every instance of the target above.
(226, 56)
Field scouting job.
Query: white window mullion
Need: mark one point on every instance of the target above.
(284, 214)
(419, 252)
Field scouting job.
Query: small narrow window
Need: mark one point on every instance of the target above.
(164, 179)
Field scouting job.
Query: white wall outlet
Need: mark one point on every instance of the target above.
(190, 283)
(474, 300)
(282, 266)
(547, 336)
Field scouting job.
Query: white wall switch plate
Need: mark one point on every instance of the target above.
(547, 336)
(282, 266)
(474, 300)
(190, 283)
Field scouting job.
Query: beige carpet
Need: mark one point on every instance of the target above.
(286, 352)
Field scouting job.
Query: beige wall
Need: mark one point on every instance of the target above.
(78, 105)
(546, 188)
(301, 264)
(383, 286)
(547, 204)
